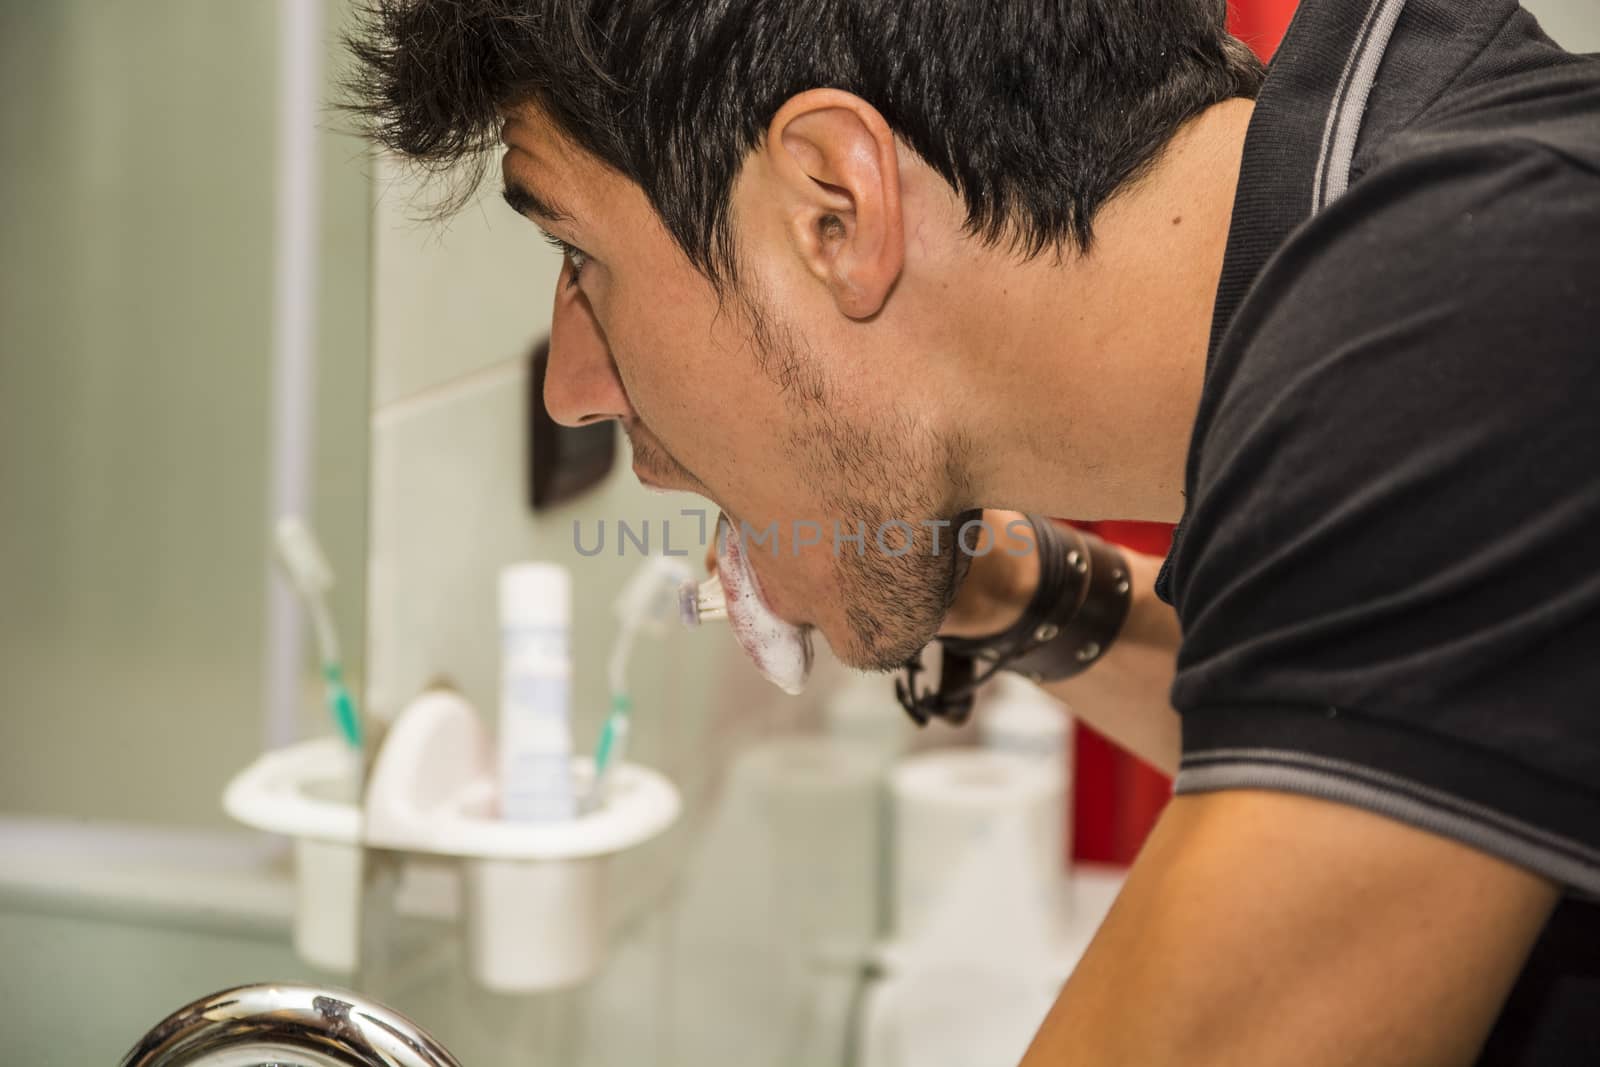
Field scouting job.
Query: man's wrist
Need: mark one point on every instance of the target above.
(998, 595)
(1079, 603)
(1076, 613)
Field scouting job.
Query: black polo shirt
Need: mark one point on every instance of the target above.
(1388, 573)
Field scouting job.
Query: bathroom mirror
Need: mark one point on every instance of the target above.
(184, 347)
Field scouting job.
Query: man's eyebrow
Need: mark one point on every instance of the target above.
(524, 201)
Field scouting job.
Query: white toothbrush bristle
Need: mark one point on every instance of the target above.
(702, 603)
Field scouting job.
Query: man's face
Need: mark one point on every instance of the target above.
(779, 409)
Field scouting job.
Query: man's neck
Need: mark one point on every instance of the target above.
(1091, 365)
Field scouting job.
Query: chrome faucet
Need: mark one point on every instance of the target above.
(286, 1026)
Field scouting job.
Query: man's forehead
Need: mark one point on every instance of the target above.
(532, 167)
(541, 161)
(529, 128)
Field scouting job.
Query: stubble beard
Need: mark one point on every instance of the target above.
(890, 476)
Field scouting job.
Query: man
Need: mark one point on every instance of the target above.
(859, 261)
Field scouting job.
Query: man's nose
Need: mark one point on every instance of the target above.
(581, 384)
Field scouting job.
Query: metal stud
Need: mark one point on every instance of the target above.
(1046, 631)
(1088, 652)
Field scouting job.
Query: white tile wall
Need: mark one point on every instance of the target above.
(457, 296)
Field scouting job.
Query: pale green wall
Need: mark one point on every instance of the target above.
(136, 203)
(81, 989)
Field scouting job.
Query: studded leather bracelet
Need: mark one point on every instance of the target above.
(1073, 617)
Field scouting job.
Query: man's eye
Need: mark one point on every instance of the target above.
(575, 256)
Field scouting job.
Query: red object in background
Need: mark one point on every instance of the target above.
(1116, 798)
(1260, 23)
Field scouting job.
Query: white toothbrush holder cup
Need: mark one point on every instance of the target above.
(535, 902)
(307, 792)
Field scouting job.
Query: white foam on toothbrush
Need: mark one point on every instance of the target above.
(780, 650)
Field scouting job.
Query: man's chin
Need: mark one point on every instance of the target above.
(863, 646)
(881, 630)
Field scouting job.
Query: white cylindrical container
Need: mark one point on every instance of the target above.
(535, 743)
(1017, 716)
(327, 905)
(977, 844)
(819, 806)
(535, 925)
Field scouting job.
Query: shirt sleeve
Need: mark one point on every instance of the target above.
(1389, 581)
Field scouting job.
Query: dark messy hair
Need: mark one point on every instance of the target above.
(1035, 111)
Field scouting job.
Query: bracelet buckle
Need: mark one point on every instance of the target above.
(1073, 617)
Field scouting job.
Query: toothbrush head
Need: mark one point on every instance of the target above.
(302, 557)
(649, 599)
(689, 604)
(703, 602)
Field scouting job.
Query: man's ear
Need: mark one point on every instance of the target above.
(838, 175)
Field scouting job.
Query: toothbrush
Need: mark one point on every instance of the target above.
(613, 745)
(645, 603)
(780, 650)
(705, 602)
(611, 750)
(308, 570)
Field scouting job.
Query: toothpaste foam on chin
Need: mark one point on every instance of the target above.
(781, 651)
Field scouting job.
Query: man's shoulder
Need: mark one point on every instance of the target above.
(1426, 348)
(1473, 204)
(1532, 91)
(1389, 542)
(1386, 573)
(1474, 257)
(1493, 74)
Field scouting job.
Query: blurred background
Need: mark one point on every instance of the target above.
(215, 310)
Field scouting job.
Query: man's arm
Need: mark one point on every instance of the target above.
(1265, 928)
(1124, 696)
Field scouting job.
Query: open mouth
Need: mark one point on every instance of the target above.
(780, 650)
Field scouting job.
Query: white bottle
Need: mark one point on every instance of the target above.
(535, 694)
